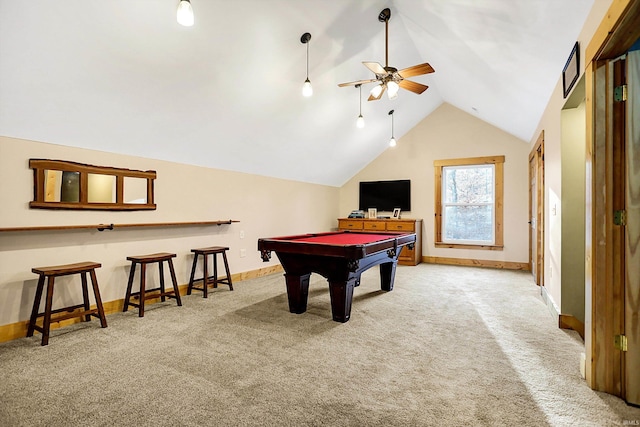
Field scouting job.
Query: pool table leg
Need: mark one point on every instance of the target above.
(298, 292)
(387, 275)
(341, 293)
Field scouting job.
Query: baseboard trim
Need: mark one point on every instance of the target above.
(565, 321)
(508, 265)
(19, 329)
(549, 303)
(568, 321)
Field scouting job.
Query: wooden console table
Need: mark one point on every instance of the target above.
(407, 256)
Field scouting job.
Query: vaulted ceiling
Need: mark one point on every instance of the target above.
(123, 76)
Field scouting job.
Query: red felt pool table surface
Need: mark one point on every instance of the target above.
(343, 238)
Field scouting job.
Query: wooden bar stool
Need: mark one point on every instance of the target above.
(206, 279)
(50, 273)
(142, 294)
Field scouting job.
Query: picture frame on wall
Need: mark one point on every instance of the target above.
(373, 213)
(571, 70)
(396, 213)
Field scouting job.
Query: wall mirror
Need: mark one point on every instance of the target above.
(59, 184)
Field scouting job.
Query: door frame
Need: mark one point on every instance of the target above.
(536, 156)
(604, 310)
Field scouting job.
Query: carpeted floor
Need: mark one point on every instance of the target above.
(449, 346)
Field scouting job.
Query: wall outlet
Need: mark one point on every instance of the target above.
(243, 253)
(242, 234)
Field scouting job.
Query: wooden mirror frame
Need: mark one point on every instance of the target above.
(39, 167)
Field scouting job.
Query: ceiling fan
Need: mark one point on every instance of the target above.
(389, 77)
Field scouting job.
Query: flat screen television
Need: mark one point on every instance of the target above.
(385, 195)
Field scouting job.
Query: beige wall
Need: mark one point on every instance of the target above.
(551, 124)
(572, 211)
(450, 133)
(265, 207)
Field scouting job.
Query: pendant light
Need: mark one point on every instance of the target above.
(307, 90)
(392, 141)
(360, 120)
(185, 13)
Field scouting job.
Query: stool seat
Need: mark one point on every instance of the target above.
(206, 279)
(50, 273)
(64, 270)
(142, 294)
(161, 256)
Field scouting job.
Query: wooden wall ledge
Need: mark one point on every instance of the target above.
(102, 227)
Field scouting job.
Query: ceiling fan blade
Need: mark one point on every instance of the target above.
(416, 70)
(375, 67)
(375, 98)
(359, 82)
(413, 86)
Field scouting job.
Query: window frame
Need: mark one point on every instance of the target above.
(498, 163)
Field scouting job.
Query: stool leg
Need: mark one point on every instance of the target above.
(205, 276)
(143, 275)
(96, 292)
(215, 270)
(36, 306)
(193, 272)
(226, 267)
(85, 295)
(161, 271)
(129, 285)
(175, 283)
(47, 311)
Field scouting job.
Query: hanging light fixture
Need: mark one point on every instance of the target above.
(185, 13)
(393, 89)
(392, 141)
(307, 90)
(360, 121)
(376, 91)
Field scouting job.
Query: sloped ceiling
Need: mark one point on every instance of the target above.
(124, 76)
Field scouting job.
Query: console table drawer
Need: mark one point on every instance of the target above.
(374, 225)
(346, 224)
(401, 226)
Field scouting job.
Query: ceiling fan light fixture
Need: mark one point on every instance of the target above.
(307, 90)
(185, 13)
(393, 89)
(376, 91)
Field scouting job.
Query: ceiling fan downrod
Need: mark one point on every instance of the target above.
(384, 16)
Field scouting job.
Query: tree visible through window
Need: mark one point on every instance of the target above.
(469, 202)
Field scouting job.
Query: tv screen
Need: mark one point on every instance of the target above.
(385, 195)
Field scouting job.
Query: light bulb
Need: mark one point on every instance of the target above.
(307, 90)
(393, 88)
(392, 143)
(376, 91)
(185, 13)
(360, 122)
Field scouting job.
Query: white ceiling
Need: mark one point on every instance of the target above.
(123, 76)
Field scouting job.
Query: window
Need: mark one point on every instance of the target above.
(469, 201)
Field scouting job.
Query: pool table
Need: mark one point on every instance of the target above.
(341, 257)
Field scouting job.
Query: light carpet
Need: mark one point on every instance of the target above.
(449, 346)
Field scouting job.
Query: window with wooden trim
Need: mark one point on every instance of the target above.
(469, 203)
